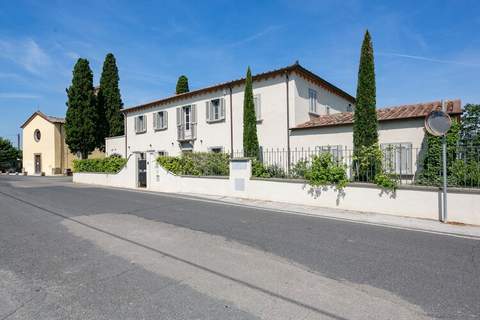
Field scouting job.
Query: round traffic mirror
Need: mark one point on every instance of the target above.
(438, 123)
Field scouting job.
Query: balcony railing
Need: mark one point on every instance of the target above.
(187, 135)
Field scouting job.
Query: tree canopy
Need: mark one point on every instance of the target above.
(182, 85)
(81, 119)
(250, 139)
(8, 154)
(365, 124)
(109, 102)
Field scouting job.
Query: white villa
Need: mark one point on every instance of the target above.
(295, 109)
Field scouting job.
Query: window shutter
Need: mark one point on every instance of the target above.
(155, 120)
(179, 117)
(207, 110)
(144, 123)
(222, 108)
(193, 117)
(258, 109)
(193, 113)
(136, 124)
(165, 120)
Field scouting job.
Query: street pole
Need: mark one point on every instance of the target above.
(444, 160)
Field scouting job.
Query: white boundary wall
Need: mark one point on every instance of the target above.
(125, 178)
(416, 202)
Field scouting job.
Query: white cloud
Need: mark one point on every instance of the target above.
(15, 95)
(26, 53)
(8, 75)
(255, 36)
(408, 56)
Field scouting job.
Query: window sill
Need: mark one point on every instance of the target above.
(160, 129)
(259, 121)
(141, 132)
(313, 114)
(216, 121)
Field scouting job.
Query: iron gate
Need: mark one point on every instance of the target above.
(142, 173)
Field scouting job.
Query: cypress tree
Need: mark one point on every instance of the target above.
(182, 85)
(81, 119)
(110, 100)
(365, 124)
(250, 139)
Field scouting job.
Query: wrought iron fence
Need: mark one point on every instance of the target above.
(401, 161)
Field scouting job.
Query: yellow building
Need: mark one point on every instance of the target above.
(44, 148)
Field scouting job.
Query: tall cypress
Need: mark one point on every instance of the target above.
(250, 139)
(110, 100)
(365, 124)
(81, 119)
(182, 85)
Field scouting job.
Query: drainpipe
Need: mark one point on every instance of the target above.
(231, 124)
(288, 122)
(125, 132)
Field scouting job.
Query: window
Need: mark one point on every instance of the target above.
(187, 119)
(140, 124)
(312, 97)
(162, 153)
(215, 110)
(397, 158)
(336, 151)
(37, 135)
(258, 106)
(327, 110)
(160, 121)
(349, 108)
(216, 149)
(186, 122)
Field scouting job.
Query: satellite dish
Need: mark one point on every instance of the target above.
(438, 123)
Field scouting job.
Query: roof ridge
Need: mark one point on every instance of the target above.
(293, 67)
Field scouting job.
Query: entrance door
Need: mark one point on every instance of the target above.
(38, 164)
(142, 171)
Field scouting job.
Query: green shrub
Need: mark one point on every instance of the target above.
(111, 164)
(299, 169)
(369, 167)
(325, 171)
(197, 164)
(464, 174)
(261, 170)
(386, 181)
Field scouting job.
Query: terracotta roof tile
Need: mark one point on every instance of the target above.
(419, 110)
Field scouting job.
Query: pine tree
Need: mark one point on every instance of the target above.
(81, 119)
(250, 139)
(182, 85)
(365, 124)
(109, 102)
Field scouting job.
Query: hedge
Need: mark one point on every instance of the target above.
(197, 164)
(111, 164)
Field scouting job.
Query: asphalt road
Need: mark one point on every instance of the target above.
(80, 252)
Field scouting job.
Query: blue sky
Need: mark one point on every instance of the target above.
(425, 50)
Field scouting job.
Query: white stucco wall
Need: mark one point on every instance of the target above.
(115, 145)
(409, 202)
(394, 131)
(271, 130)
(324, 98)
(125, 178)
